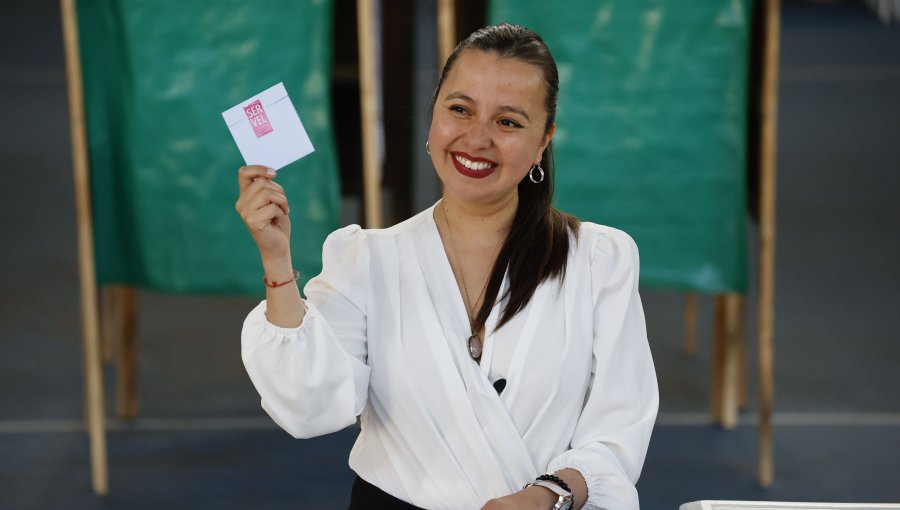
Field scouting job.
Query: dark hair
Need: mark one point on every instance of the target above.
(537, 246)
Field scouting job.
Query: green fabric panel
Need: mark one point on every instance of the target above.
(158, 76)
(651, 134)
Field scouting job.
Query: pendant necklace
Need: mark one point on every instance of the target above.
(473, 343)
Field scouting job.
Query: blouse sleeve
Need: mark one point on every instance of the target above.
(613, 431)
(313, 379)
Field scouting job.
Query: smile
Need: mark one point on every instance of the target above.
(471, 166)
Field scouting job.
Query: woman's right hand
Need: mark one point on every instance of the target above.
(263, 206)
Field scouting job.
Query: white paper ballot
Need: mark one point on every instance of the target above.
(268, 130)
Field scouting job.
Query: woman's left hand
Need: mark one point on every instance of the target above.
(532, 498)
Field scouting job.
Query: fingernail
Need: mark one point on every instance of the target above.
(271, 171)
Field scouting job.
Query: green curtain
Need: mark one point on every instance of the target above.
(651, 134)
(157, 77)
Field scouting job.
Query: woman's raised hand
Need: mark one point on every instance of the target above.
(264, 208)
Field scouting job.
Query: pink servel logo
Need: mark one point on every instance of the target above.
(258, 118)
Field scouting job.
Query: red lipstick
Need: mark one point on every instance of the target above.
(471, 172)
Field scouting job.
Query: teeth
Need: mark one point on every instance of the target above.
(481, 165)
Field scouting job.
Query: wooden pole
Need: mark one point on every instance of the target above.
(768, 126)
(690, 323)
(127, 388)
(718, 358)
(96, 421)
(733, 329)
(446, 20)
(119, 325)
(368, 99)
(728, 321)
(742, 358)
(108, 317)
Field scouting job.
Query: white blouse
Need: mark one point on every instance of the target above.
(384, 338)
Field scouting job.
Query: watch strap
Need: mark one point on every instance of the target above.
(565, 497)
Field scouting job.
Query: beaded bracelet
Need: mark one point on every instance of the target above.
(557, 480)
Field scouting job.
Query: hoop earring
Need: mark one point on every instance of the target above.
(540, 177)
(426, 148)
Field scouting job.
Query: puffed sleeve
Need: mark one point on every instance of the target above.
(313, 379)
(613, 431)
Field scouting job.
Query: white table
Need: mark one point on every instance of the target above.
(782, 505)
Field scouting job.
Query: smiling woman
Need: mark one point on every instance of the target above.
(488, 343)
(482, 126)
(501, 86)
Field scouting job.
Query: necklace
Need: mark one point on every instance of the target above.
(473, 343)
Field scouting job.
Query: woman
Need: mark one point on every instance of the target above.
(486, 341)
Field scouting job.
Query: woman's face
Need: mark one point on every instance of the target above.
(487, 128)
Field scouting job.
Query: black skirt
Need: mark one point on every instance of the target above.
(366, 496)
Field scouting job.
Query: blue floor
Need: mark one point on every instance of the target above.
(203, 443)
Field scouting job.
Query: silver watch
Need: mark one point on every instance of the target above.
(565, 497)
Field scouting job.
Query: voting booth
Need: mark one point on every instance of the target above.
(156, 165)
(653, 131)
(157, 77)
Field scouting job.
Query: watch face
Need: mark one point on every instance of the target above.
(565, 503)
